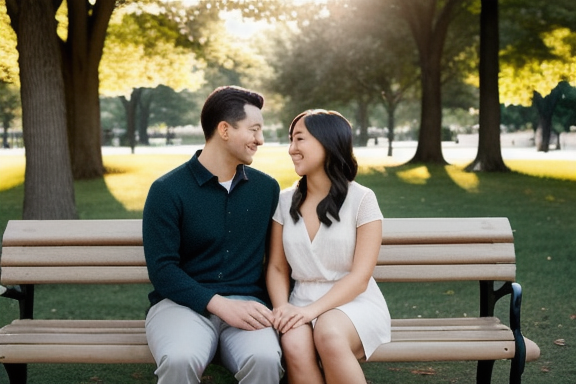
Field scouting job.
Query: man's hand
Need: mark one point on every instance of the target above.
(243, 314)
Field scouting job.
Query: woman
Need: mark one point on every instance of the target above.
(326, 235)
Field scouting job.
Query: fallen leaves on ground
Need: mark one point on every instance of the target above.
(428, 371)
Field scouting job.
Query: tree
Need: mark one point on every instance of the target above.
(367, 35)
(429, 21)
(9, 72)
(163, 55)
(489, 155)
(81, 51)
(546, 107)
(10, 106)
(349, 56)
(537, 56)
(79, 54)
(542, 82)
(48, 186)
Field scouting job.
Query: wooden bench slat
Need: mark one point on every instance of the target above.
(462, 272)
(392, 352)
(129, 232)
(72, 232)
(110, 338)
(73, 256)
(20, 330)
(448, 322)
(134, 255)
(95, 354)
(74, 275)
(444, 351)
(72, 323)
(136, 274)
(453, 335)
(447, 253)
(446, 230)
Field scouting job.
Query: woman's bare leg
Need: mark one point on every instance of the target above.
(300, 355)
(339, 347)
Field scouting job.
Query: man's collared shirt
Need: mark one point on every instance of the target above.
(201, 240)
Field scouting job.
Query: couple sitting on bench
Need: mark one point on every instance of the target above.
(205, 230)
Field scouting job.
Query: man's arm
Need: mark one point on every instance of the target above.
(161, 236)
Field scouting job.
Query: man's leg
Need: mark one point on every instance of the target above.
(182, 342)
(254, 357)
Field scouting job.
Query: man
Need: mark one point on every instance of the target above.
(205, 227)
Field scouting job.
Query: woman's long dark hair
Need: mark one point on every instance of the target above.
(334, 132)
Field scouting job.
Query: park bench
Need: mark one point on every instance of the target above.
(414, 250)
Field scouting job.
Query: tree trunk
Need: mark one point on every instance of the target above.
(130, 107)
(391, 100)
(143, 116)
(391, 122)
(6, 126)
(362, 111)
(545, 107)
(48, 185)
(429, 24)
(489, 155)
(82, 52)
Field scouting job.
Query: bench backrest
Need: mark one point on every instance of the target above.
(110, 251)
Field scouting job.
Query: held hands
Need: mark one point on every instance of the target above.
(288, 316)
(242, 314)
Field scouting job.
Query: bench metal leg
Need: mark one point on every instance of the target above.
(484, 371)
(17, 373)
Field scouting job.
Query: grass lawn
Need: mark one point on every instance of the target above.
(539, 198)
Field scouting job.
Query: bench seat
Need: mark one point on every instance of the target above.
(124, 341)
(415, 250)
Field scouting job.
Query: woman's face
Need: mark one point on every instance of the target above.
(307, 154)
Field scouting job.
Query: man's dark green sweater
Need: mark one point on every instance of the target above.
(200, 240)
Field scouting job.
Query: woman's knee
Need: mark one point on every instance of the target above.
(295, 346)
(330, 335)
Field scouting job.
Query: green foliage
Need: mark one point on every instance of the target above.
(518, 117)
(9, 71)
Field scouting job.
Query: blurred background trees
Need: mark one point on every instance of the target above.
(135, 73)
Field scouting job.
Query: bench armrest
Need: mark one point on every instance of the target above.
(25, 296)
(12, 292)
(519, 360)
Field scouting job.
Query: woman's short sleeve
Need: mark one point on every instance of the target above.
(369, 210)
(277, 217)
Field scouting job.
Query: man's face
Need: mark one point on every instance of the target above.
(246, 135)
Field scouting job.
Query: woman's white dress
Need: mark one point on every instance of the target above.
(318, 264)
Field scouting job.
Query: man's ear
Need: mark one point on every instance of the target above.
(222, 129)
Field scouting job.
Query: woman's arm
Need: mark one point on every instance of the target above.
(278, 272)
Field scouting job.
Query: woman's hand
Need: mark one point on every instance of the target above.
(289, 316)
